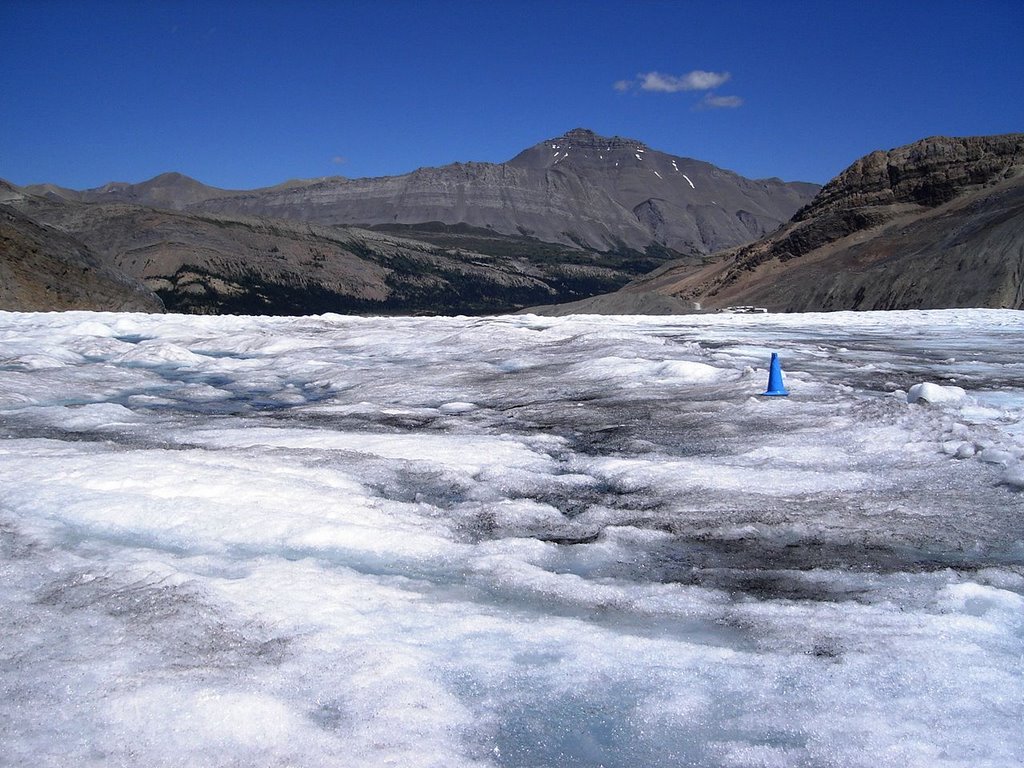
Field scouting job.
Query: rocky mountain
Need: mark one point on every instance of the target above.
(579, 189)
(45, 269)
(938, 223)
(569, 218)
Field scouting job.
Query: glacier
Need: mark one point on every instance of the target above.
(511, 541)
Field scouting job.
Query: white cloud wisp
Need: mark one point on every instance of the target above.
(711, 101)
(697, 80)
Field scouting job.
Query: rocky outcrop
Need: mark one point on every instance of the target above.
(937, 223)
(927, 173)
(884, 186)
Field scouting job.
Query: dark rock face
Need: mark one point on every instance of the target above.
(968, 253)
(938, 223)
(580, 190)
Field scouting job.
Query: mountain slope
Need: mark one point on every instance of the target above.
(217, 264)
(937, 223)
(579, 189)
(43, 269)
(685, 204)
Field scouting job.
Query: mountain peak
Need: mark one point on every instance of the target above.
(171, 190)
(172, 177)
(581, 134)
(584, 138)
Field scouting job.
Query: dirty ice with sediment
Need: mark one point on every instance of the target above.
(512, 541)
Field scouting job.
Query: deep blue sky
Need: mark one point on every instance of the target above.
(248, 94)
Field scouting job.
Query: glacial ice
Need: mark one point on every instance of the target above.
(511, 541)
(927, 392)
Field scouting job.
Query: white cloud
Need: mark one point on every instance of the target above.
(697, 80)
(339, 160)
(711, 101)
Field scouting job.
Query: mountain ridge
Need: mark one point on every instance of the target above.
(211, 263)
(931, 224)
(636, 198)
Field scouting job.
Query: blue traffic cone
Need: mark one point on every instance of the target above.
(775, 385)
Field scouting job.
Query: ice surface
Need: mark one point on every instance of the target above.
(690, 182)
(514, 541)
(927, 392)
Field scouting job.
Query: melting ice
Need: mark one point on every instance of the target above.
(511, 541)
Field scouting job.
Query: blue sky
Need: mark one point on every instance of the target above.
(240, 95)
